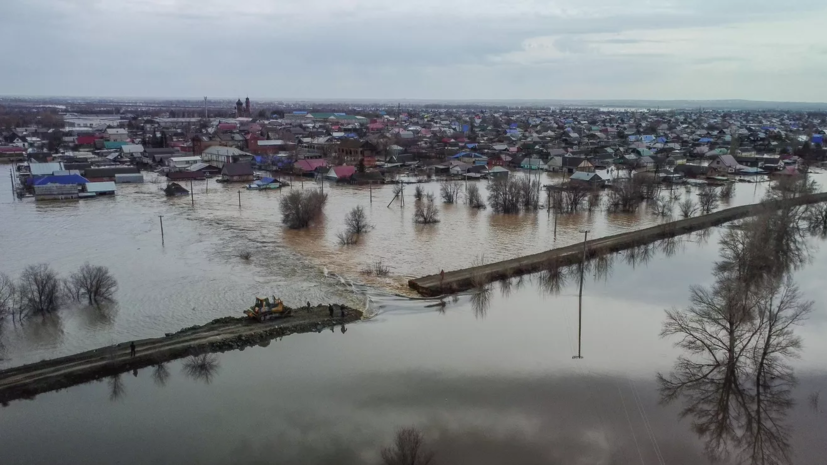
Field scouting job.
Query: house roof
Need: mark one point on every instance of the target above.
(134, 148)
(68, 179)
(311, 164)
(237, 169)
(44, 169)
(107, 186)
(728, 161)
(343, 171)
(223, 151)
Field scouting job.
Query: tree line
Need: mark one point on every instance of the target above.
(40, 291)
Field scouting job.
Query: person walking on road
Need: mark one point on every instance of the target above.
(132, 349)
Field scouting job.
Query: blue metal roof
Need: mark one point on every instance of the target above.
(68, 179)
(513, 125)
(705, 139)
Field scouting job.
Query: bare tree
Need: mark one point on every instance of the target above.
(408, 448)
(688, 207)
(347, 238)
(504, 196)
(661, 207)
(419, 192)
(426, 211)
(727, 191)
(356, 221)
(474, 198)
(449, 191)
(625, 196)
(38, 291)
(529, 193)
(93, 282)
(574, 194)
(707, 199)
(300, 208)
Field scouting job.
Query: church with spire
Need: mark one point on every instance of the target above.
(243, 109)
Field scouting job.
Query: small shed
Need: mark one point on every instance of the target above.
(174, 189)
(340, 173)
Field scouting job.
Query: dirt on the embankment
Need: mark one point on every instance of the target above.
(220, 335)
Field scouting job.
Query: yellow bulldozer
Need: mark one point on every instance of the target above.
(264, 309)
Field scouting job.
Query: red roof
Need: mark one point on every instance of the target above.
(310, 165)
(344, 171)
(86, 140)
(11, 150)
(227, 127)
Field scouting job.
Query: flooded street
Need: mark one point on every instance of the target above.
(487, 379)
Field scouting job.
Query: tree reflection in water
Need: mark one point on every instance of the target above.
(160, 374)
(202, 367)
(481, 300)
(734, 379)
(117, 390)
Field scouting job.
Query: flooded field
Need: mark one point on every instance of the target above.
(490, 378)
(199, 274)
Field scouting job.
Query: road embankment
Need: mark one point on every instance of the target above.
(469, 278)
(220, 335)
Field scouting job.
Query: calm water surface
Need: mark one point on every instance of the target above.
(488, 381)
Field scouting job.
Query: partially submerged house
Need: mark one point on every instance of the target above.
(340, 173)
(724, 164)
(237, 172)
(588, 178)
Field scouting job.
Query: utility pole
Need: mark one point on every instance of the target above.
(205, 108)
(370, 186)
(580, 295)
(192, 194)
(239, 199)
(161, 217)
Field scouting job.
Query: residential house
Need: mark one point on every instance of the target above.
(116, 135)
(309, 167)
(590, 179)
(219, 155)
(724, 164)
(181, 163)
(351, 150)
(532, 163)
(134, 151)
(237, 172)
(341, 173)
(564, 164)
(207, 169)
(498, 172)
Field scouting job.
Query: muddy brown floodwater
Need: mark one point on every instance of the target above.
(198, 275)
(488, 380)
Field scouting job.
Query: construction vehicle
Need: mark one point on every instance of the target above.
(264, 309)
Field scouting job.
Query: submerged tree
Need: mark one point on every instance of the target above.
(707, 199)
(475, 198)
(93, 283)
(426, 211)
(38, 291)
(449, 191)
(300, 208)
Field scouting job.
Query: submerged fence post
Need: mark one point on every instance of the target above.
(161, 217)
(192, 194)
(370, 186)
(239, 198)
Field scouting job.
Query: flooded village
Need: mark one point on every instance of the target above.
(498, 284)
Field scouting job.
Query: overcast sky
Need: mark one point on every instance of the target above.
(423, 49)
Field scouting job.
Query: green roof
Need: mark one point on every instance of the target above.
(114, 145)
